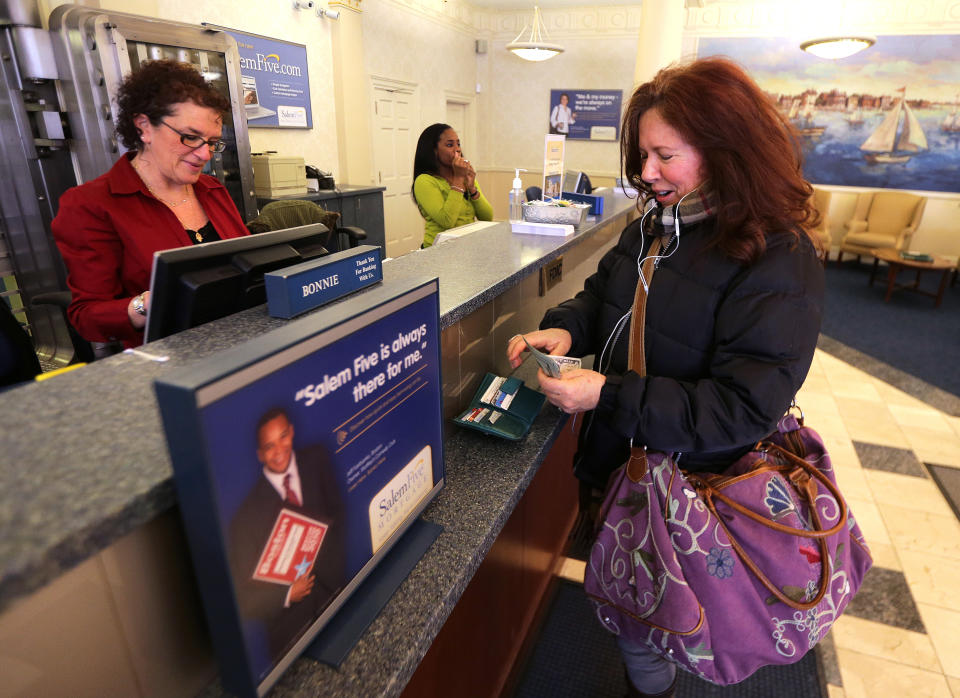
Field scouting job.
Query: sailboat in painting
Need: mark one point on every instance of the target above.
(854, 112)
(951, 122)
(802, 115)
(879, 147)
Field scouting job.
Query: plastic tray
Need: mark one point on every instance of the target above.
(574, 214)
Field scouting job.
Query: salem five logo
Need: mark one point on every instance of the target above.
(269, 64)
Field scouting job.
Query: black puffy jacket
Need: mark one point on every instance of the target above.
(727, 347)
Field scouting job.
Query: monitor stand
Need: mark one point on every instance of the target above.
(343, 631)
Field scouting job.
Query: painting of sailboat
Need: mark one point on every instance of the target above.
(860, 126)
(879, 148)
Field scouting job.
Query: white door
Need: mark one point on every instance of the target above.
(457, 119)
(394, 142)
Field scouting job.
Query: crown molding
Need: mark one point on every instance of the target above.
(568, 22)
(346, 4)
(573, 22)
(759, 17)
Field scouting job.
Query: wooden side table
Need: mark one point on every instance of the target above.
(897, 263)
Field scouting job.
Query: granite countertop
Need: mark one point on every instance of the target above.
(391, 648)
(85, 460)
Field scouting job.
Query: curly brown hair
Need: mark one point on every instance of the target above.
(154, 89)
(752, 155)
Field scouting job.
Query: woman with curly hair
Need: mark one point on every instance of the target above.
(153, 198)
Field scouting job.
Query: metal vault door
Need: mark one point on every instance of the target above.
(97, 49)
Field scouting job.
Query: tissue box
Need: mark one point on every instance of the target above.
(574, 214)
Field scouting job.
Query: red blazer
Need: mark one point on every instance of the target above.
(107, 231)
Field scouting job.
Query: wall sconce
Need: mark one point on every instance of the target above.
(326, 12)
(835, 47)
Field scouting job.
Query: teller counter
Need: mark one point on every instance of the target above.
(97, 595)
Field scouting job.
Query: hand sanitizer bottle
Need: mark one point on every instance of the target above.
(517, 198)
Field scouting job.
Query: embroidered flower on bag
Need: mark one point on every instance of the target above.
(777, 499)
(811, 591)
(720, 563)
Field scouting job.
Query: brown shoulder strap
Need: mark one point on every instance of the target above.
(636, 359)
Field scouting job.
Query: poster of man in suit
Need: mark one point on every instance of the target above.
(287, 536)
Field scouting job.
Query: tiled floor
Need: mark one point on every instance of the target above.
(899, 637)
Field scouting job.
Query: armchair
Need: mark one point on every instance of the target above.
(821, 202)
(882, 219)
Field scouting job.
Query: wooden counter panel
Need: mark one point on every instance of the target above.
(476, 651)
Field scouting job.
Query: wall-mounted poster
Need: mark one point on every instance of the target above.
(886, 117)
(276, 84)
(586, 114)
(300, 458)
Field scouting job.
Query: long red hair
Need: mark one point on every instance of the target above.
(751, 153)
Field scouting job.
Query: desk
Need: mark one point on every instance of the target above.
(897, 263)
(357, 205)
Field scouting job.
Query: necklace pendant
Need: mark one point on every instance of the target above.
(199, 236)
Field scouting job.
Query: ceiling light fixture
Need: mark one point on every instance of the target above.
(835, 47)
(534, 48)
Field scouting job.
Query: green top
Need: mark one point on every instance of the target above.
(443, 208)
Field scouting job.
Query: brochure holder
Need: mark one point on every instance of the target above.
(504, 407)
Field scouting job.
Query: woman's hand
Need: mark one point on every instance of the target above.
(574, 391)
(136, 319)
(552, 341)
(470, 179)
(460, 168)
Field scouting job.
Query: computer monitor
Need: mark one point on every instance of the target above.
(577, 182)
(193, 285)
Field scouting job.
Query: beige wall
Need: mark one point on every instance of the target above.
(433, 50)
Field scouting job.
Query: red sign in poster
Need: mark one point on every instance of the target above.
(291, 548)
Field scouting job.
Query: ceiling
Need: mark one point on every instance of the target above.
(545, 4)
(553, 4)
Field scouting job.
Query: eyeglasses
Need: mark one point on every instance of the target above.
(191, 140)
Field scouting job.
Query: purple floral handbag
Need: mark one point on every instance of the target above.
(724, 574)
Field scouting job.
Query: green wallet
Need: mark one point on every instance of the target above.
(504, 407)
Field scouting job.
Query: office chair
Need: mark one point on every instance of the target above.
(278, 215)
(533, 193)
(18, 360)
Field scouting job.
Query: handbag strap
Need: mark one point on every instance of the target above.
(636, 360)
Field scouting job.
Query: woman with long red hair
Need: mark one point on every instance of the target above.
(732, 312)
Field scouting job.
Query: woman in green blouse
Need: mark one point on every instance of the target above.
(445, 184)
